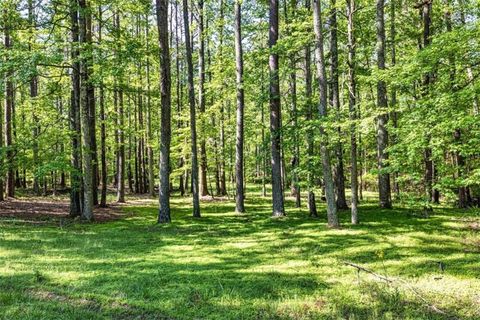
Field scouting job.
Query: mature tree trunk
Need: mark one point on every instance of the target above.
(223, 179)
(151, 177)
(9, 106)
(87, 165)
(312, 207)
(275, 114)
(335, 102)
(425, 11)
(165, 133)
(352, 104)
(239, 177)
(382, 133)
(322, 110)
(201, 99)
(75, 174)
(103, 130)
(120, 133)
(91, 107)
(191, 100)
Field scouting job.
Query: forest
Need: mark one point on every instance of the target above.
(239, 159)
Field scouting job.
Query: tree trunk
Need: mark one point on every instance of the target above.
(240, 194)
(352, 104)
(76, 172)
(322, 110)
(120, 134)
(335, 102)
(165, 133)
(382, 133)
(201, 100)
(9, 105)
(103, 130)
(312, 208)
(275, 114)
(87, 165)
(191, 100)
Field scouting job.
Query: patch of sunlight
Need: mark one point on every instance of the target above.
(286, 267)
(243, 244)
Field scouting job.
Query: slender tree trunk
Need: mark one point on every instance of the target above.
(103, 130)
(76, 172)
(384, 191)
(322, 109)
(87, 165)
(92, 116)
(335, 102)
(201, 100)
(352, 104)
(240, 194)
(165, 133)
(151, 177)
(426, 9)
(393, 94)
(191, 100)
(9, 106)
(120, 134)
(275, 114)
(312, 207)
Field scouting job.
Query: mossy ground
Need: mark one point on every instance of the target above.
(227, 266)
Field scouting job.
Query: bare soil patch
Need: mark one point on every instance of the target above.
(38, 210)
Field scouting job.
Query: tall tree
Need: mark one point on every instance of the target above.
(120, 127)
(191, 101)
(201, 98)
(352, 105)
(84, 23)
(322, 110)
(275, 112)
(312, 207)
(239, 178)
(76, 162)
(335, 102)
(103, 126)
(9, 107)
(382, 132)
(165, 91)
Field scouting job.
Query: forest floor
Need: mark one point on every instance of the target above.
(229, 266)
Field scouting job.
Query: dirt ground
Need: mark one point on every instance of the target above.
(50, 210)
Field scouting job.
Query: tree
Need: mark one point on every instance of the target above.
(352, 106)
(165, 135)
(322, 110)
(191, 102)
(275, 113)
(84, 23)
(239, 178)
(335, 102)
(384, 191)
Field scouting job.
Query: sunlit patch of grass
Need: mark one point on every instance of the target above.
(227, 266)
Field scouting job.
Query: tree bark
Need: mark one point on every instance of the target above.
(76, 172)
(191, 100)
(103, 129)
(312, 208)
(335, 102)
(239, 177)
(87, 165)
(165, 91)
(382, 133)
(275, 113)
(9, 106)
(120, 133)
(352, 104)
(322, 110)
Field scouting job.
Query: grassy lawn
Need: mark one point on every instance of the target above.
(225, 266)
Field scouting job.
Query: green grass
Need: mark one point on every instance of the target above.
(226, 266)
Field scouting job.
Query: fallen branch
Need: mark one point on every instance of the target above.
(393, 280)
